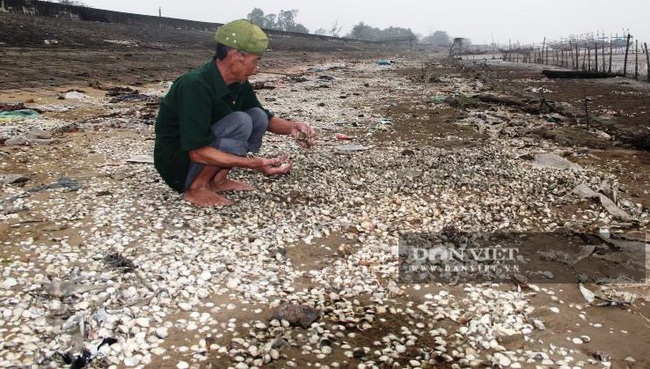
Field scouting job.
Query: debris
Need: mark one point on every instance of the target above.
(82, 360)
(74, 95)
(120, 263)
(56, 287)
(117, 91)
(6, 179)
(295, 314)
(585, 192)
(261, 85)
(147, 159)
(12, 107)
(384, 62)
(342, 137)
(127, 94)
(352, 148)
(63, 182)
(585, 251)
(613, 209)
(67, 183)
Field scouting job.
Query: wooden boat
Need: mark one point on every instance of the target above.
(550, 73)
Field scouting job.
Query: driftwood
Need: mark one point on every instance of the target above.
(540, 106)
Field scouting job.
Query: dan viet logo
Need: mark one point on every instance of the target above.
(441, 254)
(457, 257)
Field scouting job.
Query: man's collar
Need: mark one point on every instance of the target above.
(220, 84)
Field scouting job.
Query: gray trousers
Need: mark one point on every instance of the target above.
(237, 133)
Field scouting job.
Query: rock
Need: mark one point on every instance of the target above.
(554, 161)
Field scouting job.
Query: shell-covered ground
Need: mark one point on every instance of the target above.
(105, 266)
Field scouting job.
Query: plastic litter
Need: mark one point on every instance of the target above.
(352, 148)
(75, 95)
(343, 137)
(18, 114)
(87, 354)
(438, 99)
(384, 62)
(145, 159)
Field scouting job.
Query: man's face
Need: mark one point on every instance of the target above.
(245, 65)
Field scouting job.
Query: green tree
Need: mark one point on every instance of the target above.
(257, 16)
(362, 31)
(284, 21)
(439, 38)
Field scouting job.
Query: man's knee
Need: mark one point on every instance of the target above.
(259, 118)
(237, 125)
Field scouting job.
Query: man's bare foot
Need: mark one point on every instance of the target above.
(204, 198)
(230, 185)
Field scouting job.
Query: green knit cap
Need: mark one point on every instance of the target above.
(242, 35)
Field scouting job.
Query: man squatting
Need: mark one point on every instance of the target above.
(211, 118)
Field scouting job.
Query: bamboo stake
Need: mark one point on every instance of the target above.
(647, 58)
(603, 57)
(627, 50)
(611, 51)
(596, 53)
(636, 60)
(577, 57)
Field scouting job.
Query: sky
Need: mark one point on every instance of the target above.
(482, 21)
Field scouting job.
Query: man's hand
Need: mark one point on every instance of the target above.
(305, 135)
(276, 166)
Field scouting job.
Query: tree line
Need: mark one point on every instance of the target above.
(285, 20)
